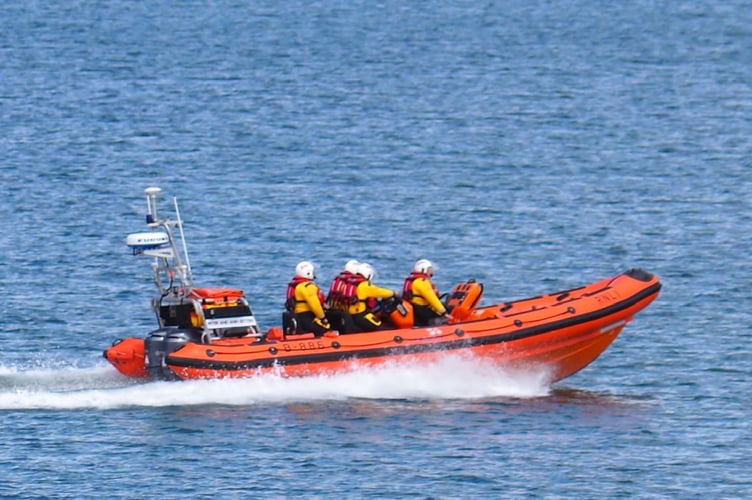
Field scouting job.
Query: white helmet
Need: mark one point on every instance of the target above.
(423, 266)
(305, 270)
(352, 266)
(366, 270)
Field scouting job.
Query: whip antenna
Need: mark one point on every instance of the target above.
(182, 240)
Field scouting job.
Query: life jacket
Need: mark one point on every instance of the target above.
(292, 286)
(407, 288)
(344, 290)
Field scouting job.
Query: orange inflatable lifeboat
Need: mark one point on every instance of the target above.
(212, 332)
(563, 332)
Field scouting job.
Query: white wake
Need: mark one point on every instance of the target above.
(103, 388)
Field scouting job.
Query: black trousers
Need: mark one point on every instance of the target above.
(424, 316)
(306, 324)
(366, 322)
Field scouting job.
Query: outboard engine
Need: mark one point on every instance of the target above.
(162, 342)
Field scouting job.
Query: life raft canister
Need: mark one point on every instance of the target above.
(463, 299)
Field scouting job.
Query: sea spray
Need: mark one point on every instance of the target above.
(452, 377)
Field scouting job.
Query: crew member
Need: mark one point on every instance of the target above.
(420, 291)
(366, 300)
(305, 301)
(342, 289)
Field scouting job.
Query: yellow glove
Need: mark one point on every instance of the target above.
(323, 323)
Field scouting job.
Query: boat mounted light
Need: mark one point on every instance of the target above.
(139, 242)
(151, 204)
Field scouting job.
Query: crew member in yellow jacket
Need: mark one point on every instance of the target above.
(367, 295)
(305, 301)
(420, 291)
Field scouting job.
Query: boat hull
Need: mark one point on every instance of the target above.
(559, 333)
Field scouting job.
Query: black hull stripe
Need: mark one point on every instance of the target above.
(394, 351)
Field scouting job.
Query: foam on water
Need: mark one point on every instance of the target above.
(453, 377)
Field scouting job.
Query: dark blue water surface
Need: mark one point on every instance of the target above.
(534, 146)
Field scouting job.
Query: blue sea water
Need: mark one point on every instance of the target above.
(534, 146)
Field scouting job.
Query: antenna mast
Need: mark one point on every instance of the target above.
(166, 253)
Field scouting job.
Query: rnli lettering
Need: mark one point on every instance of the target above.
(303, 346)
(607, 297)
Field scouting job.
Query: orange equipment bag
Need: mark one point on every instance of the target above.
(402, 316)
(463, 299)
